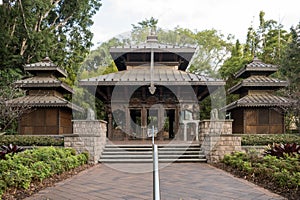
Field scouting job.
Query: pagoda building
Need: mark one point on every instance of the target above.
(258, 111)
(152, 90)
(49, 112)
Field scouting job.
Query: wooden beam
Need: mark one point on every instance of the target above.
(108, 91)
(202, 94)
(144, 94)
(102, 94)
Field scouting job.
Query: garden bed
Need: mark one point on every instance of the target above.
(27, 172)
(36, 186)
(280, 175)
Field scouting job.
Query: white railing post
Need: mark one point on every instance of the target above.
(156, 189)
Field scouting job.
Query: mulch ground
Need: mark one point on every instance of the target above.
(291, 194)
(36, 186)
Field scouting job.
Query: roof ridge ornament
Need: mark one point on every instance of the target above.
(46, 59)
(256, 59)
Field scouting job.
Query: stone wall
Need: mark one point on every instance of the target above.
(215, 146)
(88, 136)
(216, 139)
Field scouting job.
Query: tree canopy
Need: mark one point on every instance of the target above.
(290, 69)
(31, 30)
(213, 47)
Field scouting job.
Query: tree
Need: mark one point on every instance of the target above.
(31, 30)
(290, 69)
(140, 31)
(8, 112)
(268, 41)
(213, 49)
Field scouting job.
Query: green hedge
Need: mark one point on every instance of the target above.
(23, 140)
(20, 170)
(257, 140)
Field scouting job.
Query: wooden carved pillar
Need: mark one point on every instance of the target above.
(109, 124)
(177, 119)
(128, 119)
(161, 122)
(144, 121)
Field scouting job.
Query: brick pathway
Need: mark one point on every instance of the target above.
(182, 181)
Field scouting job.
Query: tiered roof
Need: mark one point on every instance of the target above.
(256, 88)
(44, 89)
(137, 55)
(259, 100)
(257, 83)
(133, 63)
(256, 67)
(45, 66)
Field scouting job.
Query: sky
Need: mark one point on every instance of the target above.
(227, 16)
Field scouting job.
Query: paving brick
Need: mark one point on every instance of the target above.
(177, 181)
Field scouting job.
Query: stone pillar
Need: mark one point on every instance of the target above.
(88, 136)
(215, 146)
(221, 127)
(216, 139)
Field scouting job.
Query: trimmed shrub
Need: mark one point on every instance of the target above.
(262, 140)
(24, 140)
(21, 169)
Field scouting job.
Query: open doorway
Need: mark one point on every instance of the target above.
(169, 123)
(136, 122)
(152, 121)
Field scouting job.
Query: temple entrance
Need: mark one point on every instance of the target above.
(144, 121)
(134, 110)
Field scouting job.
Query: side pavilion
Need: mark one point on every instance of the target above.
(172, 110)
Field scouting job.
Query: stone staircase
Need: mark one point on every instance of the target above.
(142, 153)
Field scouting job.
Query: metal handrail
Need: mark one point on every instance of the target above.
(156, 187)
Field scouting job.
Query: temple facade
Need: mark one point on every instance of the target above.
(152, 92)
(49, 113)
(259, 110)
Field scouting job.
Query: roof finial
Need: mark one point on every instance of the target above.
(152, 37)
(153, 30)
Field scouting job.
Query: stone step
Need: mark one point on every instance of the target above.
(150, 145)
(150, 160)
(150, 149)
(149, 152)
(150, 156)
(141, 153)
